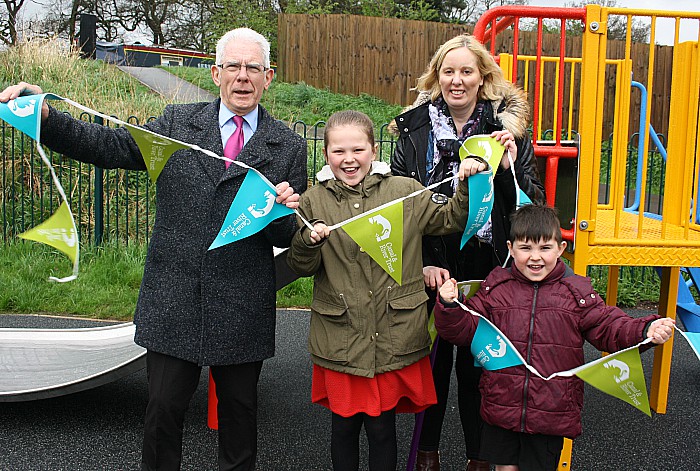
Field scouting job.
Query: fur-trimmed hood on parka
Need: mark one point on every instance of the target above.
(381, 168)
(513, 110)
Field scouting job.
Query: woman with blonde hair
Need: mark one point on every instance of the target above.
(463, 93)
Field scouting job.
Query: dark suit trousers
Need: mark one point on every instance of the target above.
(171, 384)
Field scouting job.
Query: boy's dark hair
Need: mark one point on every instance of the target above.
(535, 222)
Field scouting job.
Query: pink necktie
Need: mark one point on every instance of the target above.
(235, 142)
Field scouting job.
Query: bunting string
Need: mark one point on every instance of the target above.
(72, 238)
(390, 203)
(619, 374)
(244, 218)
(532, 369)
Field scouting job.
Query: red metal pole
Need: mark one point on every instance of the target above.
(562, 55)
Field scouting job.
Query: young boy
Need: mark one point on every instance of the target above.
(547, 312)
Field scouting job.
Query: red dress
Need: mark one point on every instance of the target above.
(409, 389)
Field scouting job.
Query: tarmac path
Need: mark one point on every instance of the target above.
(101, 429)
(167, 84)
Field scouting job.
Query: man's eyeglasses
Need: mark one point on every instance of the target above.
(234, 67)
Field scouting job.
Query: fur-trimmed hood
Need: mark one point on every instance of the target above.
(326, 173)
(512, 110)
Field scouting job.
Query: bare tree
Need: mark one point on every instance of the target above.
(113, 18)
(469, 11)
(8, 32)
(189, 25)
(60, 17)
(152, 13)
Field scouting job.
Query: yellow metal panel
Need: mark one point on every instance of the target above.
(506, 63)
(678, 136)
(643, 256)
(588, 119)
(625, 230)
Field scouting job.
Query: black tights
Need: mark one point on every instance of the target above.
(381, 436)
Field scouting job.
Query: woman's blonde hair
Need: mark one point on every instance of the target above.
(495, 84)
(349, 118)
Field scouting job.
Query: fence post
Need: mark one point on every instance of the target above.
(99, 197)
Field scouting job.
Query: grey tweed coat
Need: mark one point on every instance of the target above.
(208, 307)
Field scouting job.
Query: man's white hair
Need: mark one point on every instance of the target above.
(243, 34)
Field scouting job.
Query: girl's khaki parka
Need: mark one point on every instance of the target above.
(362, 321)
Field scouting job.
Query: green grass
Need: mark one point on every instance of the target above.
(94, 84)
(301, 102)
(636, 285)
(297, 294)
(106, 288)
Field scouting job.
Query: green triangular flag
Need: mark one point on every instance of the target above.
(432, 330)
(484, 146)
(380, 234)
(58, 231)
(156, 149)
(620, 375)
(468, 289)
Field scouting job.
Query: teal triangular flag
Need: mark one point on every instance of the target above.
(253, 208)
(694, 341)
(480, 204)
(24, 113)
(523, 199)
(492, 349)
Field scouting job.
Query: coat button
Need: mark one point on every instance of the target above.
(361, 249)
(400, 119)
(369, 293)
(582, 301)
(405, 129)
(356, 205)
(371, 338)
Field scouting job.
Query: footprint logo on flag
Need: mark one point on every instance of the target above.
(260, 213)
(386, 227)
(622, 367)
(22, 111)
(501, 348)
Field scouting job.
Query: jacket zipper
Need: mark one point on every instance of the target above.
(415, 152)
(529, 355)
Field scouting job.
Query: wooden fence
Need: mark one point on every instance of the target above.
(384, 57)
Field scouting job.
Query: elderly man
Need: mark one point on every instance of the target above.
(198, 307)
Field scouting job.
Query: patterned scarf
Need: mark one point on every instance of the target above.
(446, 143)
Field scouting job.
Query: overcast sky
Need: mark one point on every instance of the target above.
(664, 27)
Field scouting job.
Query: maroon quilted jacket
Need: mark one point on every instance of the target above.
(547, 322)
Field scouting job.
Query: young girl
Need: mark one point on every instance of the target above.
(368, 336)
